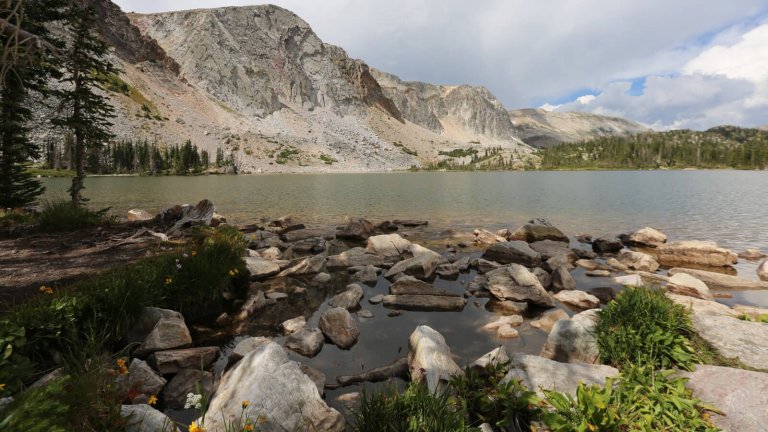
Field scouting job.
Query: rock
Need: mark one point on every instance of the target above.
(351, 401)
(376, 299)
(484, 237)
(562, 279)
(638, 261)
(144, 418)
(584, 254)
(512, 320)
(605, 294)
(538, 373)
(140, 378)
(754, 313)
(146, 321)
(168, 333)
(311, 265)
(543, 276)
(367, 275)
(688, 285)
(408, 285)
(365, 314)
(584, 238)
(307, 342)
(533, 232)
(184, 382)
(388, 245)
(358, 230)
(300, 234)
(506, 331)
(428, 303)
(646, 237)
(293, 325)
(354, 257)
(615, 264)
(276, 295)
(321, 279)
(517, 252)
(752, 254)
(168, 362)
(410, 222)
(245, 346)
(573, 340)
(762, 271)
(271, 254)
(397, 369)
(603, 245)
(558, 261)
(515, 282)
(702, 306)
(55, 374)
(735, 338)
(506, 307)
(349, 299)
(448, 271)
(548, 319)
(550, 249)
(485, 266)
(495, 357)
(587, 264)
(421, 266)
(429, 359)
(339, 327)
(260, 268)
(598, 273)
(254, 303)
(629, 280)
(277, 389)
(387, 226)
(740, 394)
(721, 281)
(316, 376)
(138, 215)
(695, 253)
(577, 299)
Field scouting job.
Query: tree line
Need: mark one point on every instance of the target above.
(719, 147)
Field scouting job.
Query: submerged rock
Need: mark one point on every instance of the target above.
(515, 282)
(751, 254)
(691, 252)
(603, 245)
(517, 252)
(548, 319)
(339, 327)
(506, 307)
(429, 359)
(427, 303)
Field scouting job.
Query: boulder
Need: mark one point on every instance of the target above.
(293, 325)
(388, 245)
(545, 279)
(598, 273)
(349, 299)
(168, 362)
(562, 280)
(408, 285)
(517, 252)
(358, 230)
(577, 299)
(607, 244)
(506, 331)
(685, 284)
(762, 271)
(245, 346)
(702, 306)
(692, 252)
(144, 418)
(638, 261)
(448, 271)
(143, 324)
(184, 382)
(735, 338)
(721, 281)
(506, 307)
(311, 265)
(277, 389)
(495, 357)
(292, 236)
(427, 303)
(429, 359)
(339, 327)
(533, 232)
(548, 319)
(140, 378)
(260, 268)
(484, 237)
(741, 395)
(629, 280)
(751, 254)
(646, 237)
(538, 373)
(573, 340)
(139, 215)
(271, 254)
(307, 342)
(512, 320)
(550, 249)
(422, 265)
(168, 333)
(410, 222)
(368, 275)
(515, 282)
(485, 266)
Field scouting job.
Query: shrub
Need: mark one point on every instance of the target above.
(643, 327)
(62, 216)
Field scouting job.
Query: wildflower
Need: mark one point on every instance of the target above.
(193, 253)
(248, 427)
(121, 366)
(168, 280)
(231, 272)
(2, 387)
(246, 404)
(193, 401)
(152, 400)
(46, 289)
(178, 264)
(185, 255)
(194, 427)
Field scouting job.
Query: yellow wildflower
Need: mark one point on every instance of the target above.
(231, 272)
(591, 427)
(194, 427)
(2, 387)
(121, 366)
(46, 289)
(193, 253)
(168, 280)
(152, 400)
(246, 404)
(248, 428)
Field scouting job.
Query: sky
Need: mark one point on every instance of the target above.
(667, 64)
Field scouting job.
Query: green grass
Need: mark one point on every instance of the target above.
(458, 153)
(405, 149)
(328, 160)
(57, 216)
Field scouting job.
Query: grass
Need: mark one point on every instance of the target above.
(405, 149)
(328, 160)
(458, 153)
(57, 216)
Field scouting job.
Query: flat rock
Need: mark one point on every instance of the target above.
(646, 237)
(578, 299)
(752, 254)
(144, 418)
(515, 282)
(615, 264)
(429, 359)
(721, 281)
(349, 299)
(685, 284)
(638, 261)
(356, 256)
(506, 307)
(271, 254)
(305, 234)
(260, 268)
(533, 232)
(184, 382)
(422, 265)
(702, 306)
(168, 362)
(548, 319)
(388, 245)
(168, 333)
(517, 252)
(376, 299)
(408, 285)
(339, 327)
(538, 373)
(307, 342)
(277, 389)
(429, 303)
(573, 340)
(692, 252)
(410, 222)
(735, 338)
(293, 325)
(629, 280)
(587, 264)
(311, 265)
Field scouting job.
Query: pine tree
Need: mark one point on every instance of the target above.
(88, 113)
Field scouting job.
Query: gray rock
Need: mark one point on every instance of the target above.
(538, 373)
(533, 232)
(584, 254)
(421, 266)
(277, 389)
(276, 295)
(685, 284)
(429, 359)
(448, 271)
(428, 303)
(365, 314)
(144, 418)
(735, 338)
(543, 276)
(517, 252)
(629, 280)
(512, 320)
(146, 321)
(603, 245)
(515, 282)
(293, 325)
(357, 230)
(311, 265)
(339, 327)
(388, 245)
(484, 237)
(495, 357)
(305, 234)
(506, 307)
(548, 319)
(577, 299)
(702, 306)
(354, 257)
(638, 261)
(573, 340)
(721, 281)
(587, 264)
(245, 346)
(550, 249)
(762, 271)
(562, 279)
(260, 268)
(615, 264)
(376, 299)
(254, 303)
(172, 361)
(647, 237)
(184, 382)
(306, 342)
(271, 254)
(321, 279)
(699, 253)
(367, 275)
(485, 266)
(349, 299)
(168, 333)
(141, 378)
(411, 286)
(605, 294)
(316, 376)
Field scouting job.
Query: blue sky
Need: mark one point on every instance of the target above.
(668, 64)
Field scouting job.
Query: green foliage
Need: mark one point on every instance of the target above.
(492, 159)
(641, 400)
(415, 410)
(720, 147)
(405, 149)
(328, 160)
(644, 327)
(62, 216)
(486, 398)
(458, 153)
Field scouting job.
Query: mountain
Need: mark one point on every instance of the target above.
(257, 82)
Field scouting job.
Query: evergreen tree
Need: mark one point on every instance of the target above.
(88, 113)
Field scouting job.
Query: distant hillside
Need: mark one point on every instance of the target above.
(719, 147)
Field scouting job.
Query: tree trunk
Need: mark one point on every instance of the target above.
(77, 180)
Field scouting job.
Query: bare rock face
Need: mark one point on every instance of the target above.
(429, 358)
(277, 389)
(515, 282)
(695, 253)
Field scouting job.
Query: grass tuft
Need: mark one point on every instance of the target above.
(57, 216)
